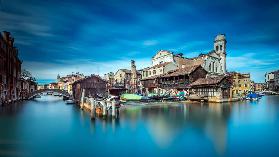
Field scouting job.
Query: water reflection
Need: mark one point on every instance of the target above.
(158, 129)
(168, 121)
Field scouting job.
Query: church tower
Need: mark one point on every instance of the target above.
(134, 77)
(220, 44)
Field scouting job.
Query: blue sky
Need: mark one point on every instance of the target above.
(57, 36)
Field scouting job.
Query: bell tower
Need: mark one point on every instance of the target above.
(220, 45)
(134, 77)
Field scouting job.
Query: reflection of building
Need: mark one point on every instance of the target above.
(10, 69)
(241, 84)
(94, 86)
(65, 83)
(272, 81)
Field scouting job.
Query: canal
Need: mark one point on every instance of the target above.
(47, 127)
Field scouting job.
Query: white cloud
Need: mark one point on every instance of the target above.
(44, 70)
(150, 42)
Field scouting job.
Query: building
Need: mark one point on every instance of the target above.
(122, 78)
(109, 77)
(180, 79)
(93, 86)
(53, 85)
(213, 62)
(214, 89)
(241, 84)
(259, 87)
(10, 69)
(66, 82)
(134, 83)
(272, 81)
(27, 87)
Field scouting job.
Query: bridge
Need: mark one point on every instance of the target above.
(63, 92)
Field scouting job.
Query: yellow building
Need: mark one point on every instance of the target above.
(241, 84)
(65, 83)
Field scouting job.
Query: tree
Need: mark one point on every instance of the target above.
(26, 75)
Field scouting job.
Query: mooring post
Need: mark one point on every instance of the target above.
(104, 107)
(113, 108)
(93, 108)
(82, 98)
(108, 103)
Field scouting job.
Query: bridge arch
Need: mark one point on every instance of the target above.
(63, 92)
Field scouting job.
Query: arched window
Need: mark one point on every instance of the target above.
(217, 48)
(209, 66)
(221, 47)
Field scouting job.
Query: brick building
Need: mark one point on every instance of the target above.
(10, 69)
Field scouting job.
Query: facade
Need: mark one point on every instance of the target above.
(214, 89)
(181, 78)
(65, 83)
(272, 81)
(158, 70)
(53, 85)
(259, 87)
(93, 86)
(213, 62)
(109, 77)
(134, 83)
(241, 84)
(10, 69)
(27, 87)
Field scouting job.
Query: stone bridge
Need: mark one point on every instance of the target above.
(63, 92)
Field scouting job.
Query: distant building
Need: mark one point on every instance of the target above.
(241, 84)
(66, 82)
(122, 78)
(53, 85)
(10, 69)
(93, 86)
(259, 87)
(109, 77)
(272, 81)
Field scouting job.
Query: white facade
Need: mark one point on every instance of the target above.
(158, 70)
(215, 61)
(161, 57)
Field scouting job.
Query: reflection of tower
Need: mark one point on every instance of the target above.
(133, 82)
(220, 44)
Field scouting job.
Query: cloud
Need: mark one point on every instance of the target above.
(149, 42)
(92, 33)
(45, 70)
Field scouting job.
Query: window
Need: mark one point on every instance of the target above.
(221, 47)
(149, 72)
(154, 72)
(217, 48)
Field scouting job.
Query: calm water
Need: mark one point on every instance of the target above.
(48, 127)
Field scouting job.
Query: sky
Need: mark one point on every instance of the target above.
(60, 37)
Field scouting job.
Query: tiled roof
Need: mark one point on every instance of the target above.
(158, 65)
(182, 71)
(208, 81)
